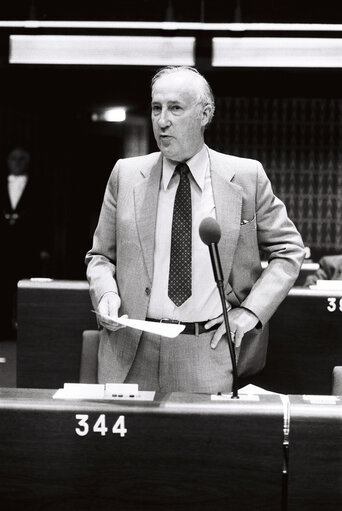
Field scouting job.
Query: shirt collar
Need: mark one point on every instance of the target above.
(198, 166)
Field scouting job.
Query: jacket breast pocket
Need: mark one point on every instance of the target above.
(248, 227)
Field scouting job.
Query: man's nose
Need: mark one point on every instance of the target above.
(164, 119)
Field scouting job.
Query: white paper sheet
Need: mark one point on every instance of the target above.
(165, 329)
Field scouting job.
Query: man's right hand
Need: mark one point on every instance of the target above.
(109, 306)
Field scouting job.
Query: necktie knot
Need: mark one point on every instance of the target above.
(182, 169)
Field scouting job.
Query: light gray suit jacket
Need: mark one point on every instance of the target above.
(252, 220)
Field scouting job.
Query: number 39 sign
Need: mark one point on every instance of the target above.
(334, 304)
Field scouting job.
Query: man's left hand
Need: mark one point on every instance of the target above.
(240, 321)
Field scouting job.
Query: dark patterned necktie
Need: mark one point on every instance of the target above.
(180, 256)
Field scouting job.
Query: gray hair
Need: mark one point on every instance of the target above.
(206, 94)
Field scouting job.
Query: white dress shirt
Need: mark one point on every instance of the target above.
(204, 302)
(16, 186)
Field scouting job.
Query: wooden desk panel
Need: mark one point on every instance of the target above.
(305, 344)
(51, 319)
(315, 456)
(181, 452)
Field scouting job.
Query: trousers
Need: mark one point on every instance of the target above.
(186, 363)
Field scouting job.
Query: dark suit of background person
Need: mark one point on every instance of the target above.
(121, 261)
(20, 233)
(330, 268)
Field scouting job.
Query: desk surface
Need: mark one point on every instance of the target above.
(180, 452)
(173, 402)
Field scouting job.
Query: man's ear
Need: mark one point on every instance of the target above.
(206, 114)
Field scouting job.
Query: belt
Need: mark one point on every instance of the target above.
(190, 328)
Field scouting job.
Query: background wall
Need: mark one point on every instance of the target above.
(289, 119)
(298, 140)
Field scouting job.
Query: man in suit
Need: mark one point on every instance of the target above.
(21, 232)
(140, 249)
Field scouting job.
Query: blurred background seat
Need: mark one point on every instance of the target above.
(88, 368)
(337, 381)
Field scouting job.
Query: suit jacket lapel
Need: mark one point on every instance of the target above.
(228, 202)
(146, 202)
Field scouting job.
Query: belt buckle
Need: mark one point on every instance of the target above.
(172, 321)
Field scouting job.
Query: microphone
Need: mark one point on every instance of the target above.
(210, 234)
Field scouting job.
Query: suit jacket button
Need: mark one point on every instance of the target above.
(147, 291)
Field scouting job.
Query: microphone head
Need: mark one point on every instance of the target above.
(209, 231)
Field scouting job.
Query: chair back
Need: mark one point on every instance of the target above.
(337, 381)
(88, 367)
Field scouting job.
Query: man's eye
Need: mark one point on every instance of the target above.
(176, 108)
(156, 109)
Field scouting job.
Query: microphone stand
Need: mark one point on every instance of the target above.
(218, 274)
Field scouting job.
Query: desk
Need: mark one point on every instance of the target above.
(305, 337)
(305, 343)
(315, 456)
(180, 452)
(51, 318)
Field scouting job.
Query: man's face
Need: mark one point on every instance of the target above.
(178, 117)
(18, 161)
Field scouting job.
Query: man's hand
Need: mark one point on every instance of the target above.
(240, 321)
(109, 306)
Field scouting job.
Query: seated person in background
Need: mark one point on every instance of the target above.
(330, 268)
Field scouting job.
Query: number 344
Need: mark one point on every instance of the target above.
(100, 425)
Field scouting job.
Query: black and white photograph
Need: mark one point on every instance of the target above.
(171, 255)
